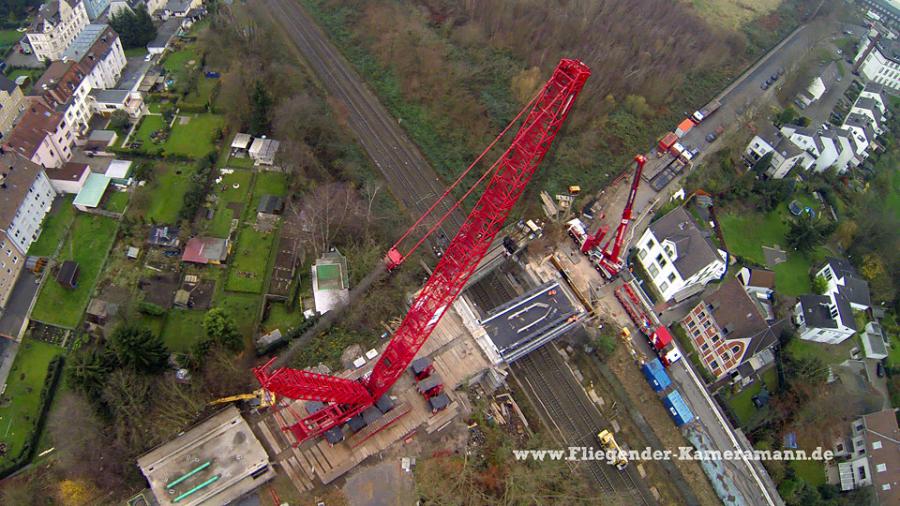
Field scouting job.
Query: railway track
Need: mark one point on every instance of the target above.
(411, 178)
(566, 409)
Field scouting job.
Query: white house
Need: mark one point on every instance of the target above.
(99, 51)
(878, 60)
(64, 88)
(56, 24)
(824, 318)
(42, 136)
(679, 258)
(758, 282)
(842, 278)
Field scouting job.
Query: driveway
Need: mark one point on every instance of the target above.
(13, 318)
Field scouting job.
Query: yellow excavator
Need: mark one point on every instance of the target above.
(260, 398)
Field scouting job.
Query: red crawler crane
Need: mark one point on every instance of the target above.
(608, 263)
(511, 173)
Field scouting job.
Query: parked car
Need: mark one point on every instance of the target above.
(711, 137)
(764, 85)
(879, 370)
(774, 77)
(780, 71)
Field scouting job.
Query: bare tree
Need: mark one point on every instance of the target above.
(329, 213)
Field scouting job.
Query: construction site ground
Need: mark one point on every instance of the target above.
(315, 463)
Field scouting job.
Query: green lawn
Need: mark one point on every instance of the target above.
(249, 261)
(281, 318)
(34, 74)
(149, 124)
(244, 308)
(810, 471)
(21, 400)
(178, 62)
(9, 38)
(827, 353)
(196, 138)
(117, 201)
(88, 244)
(742, 403)
(241, 163)
(268, 183)
(182, 329)
(166, 193)
(54, 228)
(227, 194)
(747, 232)
(136, 51)
(200, 95)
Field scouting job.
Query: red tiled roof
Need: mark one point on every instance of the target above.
(58, 83)
(37, 122)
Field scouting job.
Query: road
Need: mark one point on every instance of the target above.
(409, 176)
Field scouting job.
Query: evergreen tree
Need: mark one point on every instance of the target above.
(221, 328)
(139, 349)
(261, 103)
(134, 27)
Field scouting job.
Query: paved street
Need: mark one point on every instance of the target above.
(13, 317)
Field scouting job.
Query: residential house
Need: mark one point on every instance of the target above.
(331, 282)
(63, 87)
(12, 103)
(163, 236)
(824, 318)
(95, 8)
(178, 8)
(42, 135)
(69, 178)
(728, 329)
(205, 250)
(679, 257)
(263, 150)
(874, 342)
(842, 278)
(758, 282)
(25, 199)
(878, 60)
(119, 171)
(56, 24)
(872, 456)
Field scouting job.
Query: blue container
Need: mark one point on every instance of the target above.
(656, 375)
(677, 408)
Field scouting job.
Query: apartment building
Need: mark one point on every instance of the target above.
(42, 136)
(25, 199)
(870, 456)
(12, 103)
(63, 88)
(98, 49)
(878, 60)
(55, 26)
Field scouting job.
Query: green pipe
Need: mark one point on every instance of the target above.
(198, 487)
(190, 473)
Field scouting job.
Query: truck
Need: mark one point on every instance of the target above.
(658, 336)
(608, 442)
(665, 143)
(586, 242)
(705, 111)
(684, 127)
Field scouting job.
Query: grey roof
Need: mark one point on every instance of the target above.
(420, 364)
(110, 96)
(815, 311)
(693, 248)
(178, 5)
(787, 148)
(371, 415)
(102, 135)
(6, 84)
(873, 87)
(439, 402)
(429, 383)
(867, 103)
(856, 290)
(356, 423)
(769, 133)
(334, 435)
(841, 266)
(734, 311)
(83, 41)
(845, 312)
(817, 139)
(270, 204)
(165, 32)
(313, 407)
(384, 403)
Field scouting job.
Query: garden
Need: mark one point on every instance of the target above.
(54, 228)
(249, 262)
(194, 136)
(117, 201)
(161, 199)
(232, 192)
(88, 243)
(20, 408)
(281, 317)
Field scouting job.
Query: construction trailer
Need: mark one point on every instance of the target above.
(677, 408)
(656, 375)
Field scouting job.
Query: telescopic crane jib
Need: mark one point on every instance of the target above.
(509, 175)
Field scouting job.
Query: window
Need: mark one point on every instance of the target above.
(713, 365)
(725, 356)
(662, 263)
(706, 324)
(663, 287)
(653, 271)
(735, 349)
(642, 253)
(876, 445)
(650, 243)
(692, 324)
(669, 251)
(862, 472)
(659, 258)
(671, 277)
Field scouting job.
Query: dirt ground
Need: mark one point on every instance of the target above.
(159, 289)
(202, 294)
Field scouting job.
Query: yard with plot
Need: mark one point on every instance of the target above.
(200, 95)
(162, 198)
(747, 232)
(249, 260)
(182, 328)
(54, 228)
(827, 353)
(8, 38)
(244, 308)
(117, 201)
(231, 201)
(268, 183)
(20, 405)
(144, 134)
(741, 404)
(280, 317)
(179, 63)
(88, 243)
(194, 135)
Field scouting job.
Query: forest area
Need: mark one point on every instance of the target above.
(457, 72)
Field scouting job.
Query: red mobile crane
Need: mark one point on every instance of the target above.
(511, 173)
(608, 262)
